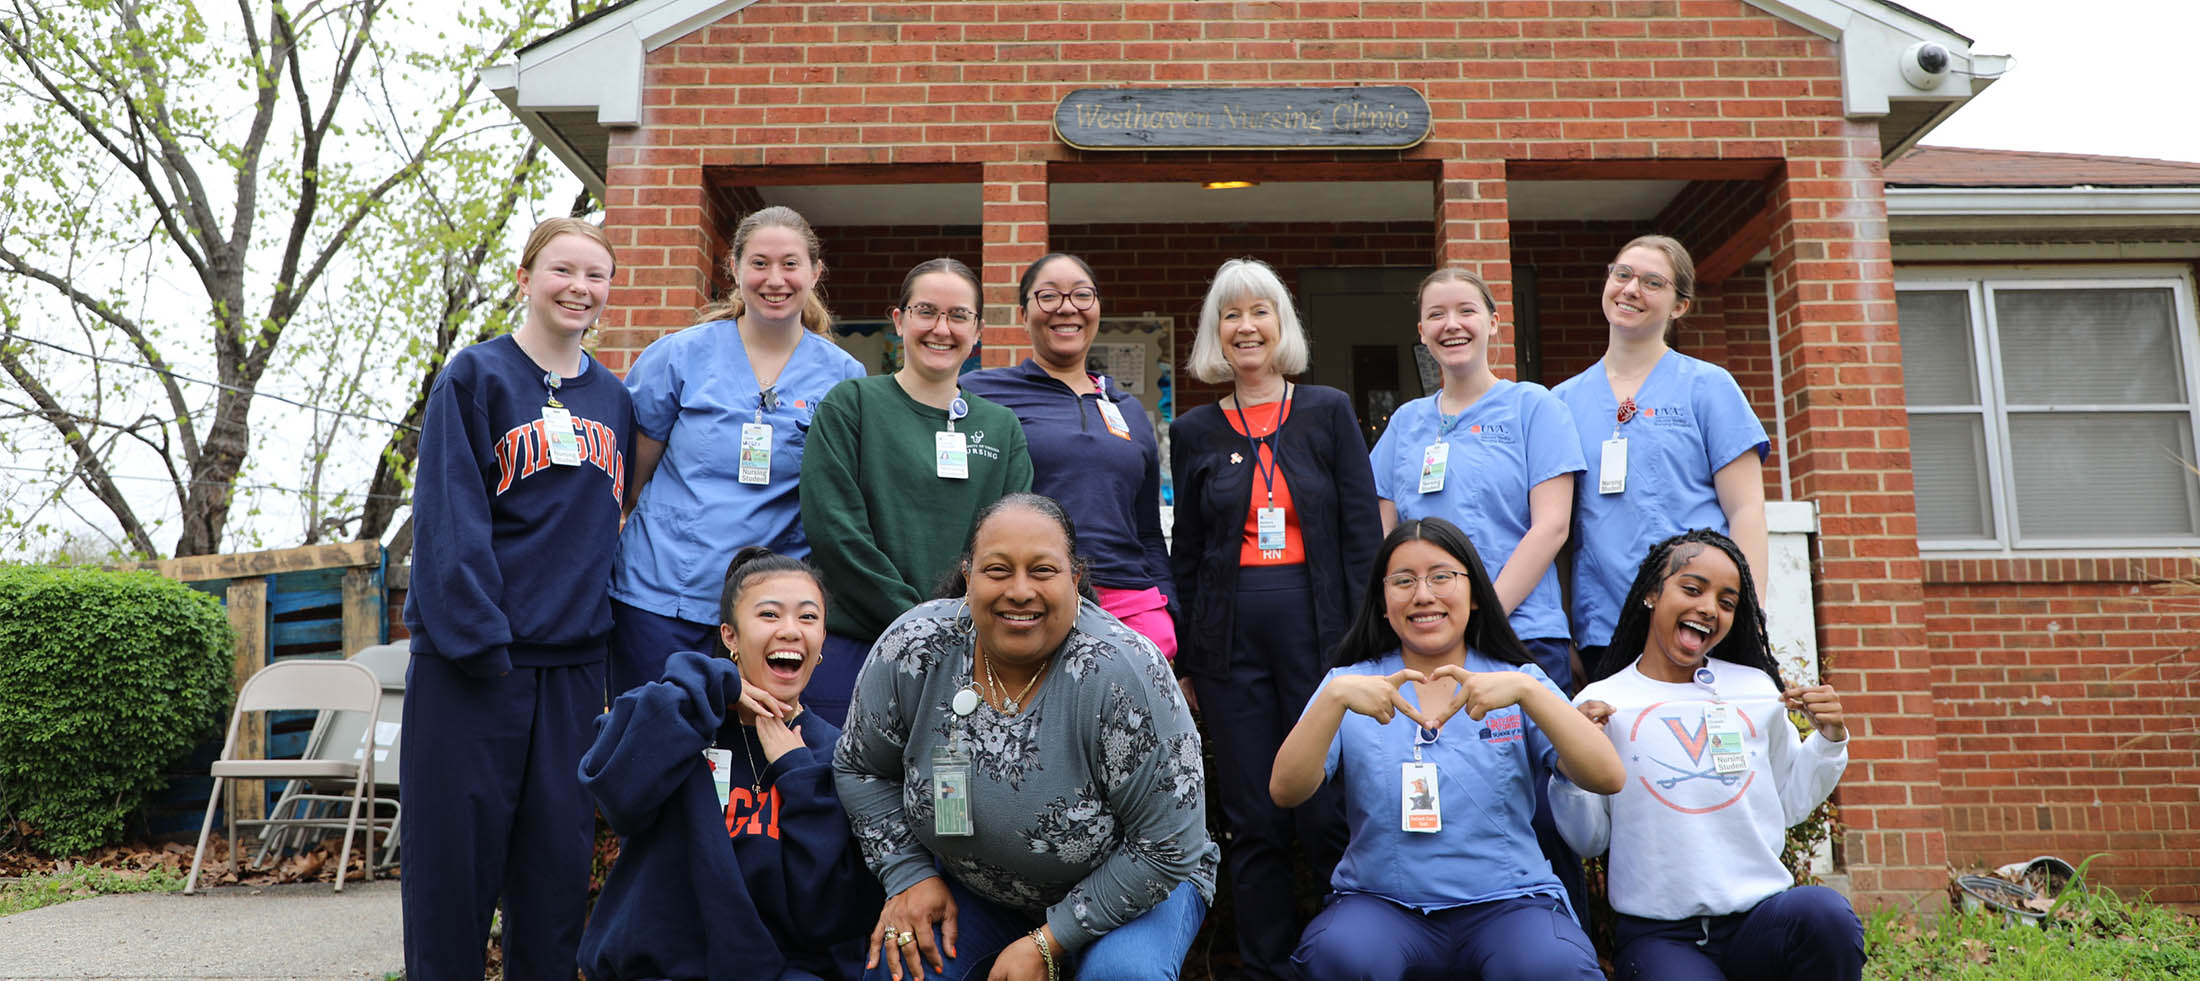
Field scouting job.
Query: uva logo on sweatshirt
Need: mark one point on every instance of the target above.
(750, 814)
(525, 451)
(1676, 739)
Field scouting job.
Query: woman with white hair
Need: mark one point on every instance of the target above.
(1276, 531)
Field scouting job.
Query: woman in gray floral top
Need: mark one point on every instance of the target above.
(1038, 753)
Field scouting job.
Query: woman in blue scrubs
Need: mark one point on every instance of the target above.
(722, 409)
(1671, 442)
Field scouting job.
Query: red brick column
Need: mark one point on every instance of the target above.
(1015, 216)
(1849, 447)
(1474, 232)
(654, 214)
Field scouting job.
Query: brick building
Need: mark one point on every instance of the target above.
(2010, 691)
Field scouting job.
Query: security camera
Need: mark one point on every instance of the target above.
(1925, 63)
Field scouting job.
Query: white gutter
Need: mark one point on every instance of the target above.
(2103, 202)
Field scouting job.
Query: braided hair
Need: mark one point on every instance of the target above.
(1745, 643)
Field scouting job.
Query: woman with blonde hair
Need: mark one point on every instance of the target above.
(722, 409)
(1276, 530)
(1672, 442)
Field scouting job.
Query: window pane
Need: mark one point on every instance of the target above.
(1948, 459)
(2088, 346)
(2103, 475)
(1936, 347)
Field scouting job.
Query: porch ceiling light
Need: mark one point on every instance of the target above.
(1228, 185)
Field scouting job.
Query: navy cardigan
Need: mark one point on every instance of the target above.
(1324, 458)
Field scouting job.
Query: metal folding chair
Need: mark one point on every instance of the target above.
(309, 805)
(325, 686)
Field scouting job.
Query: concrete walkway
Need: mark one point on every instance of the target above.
(232, 932)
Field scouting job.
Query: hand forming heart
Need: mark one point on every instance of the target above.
(1478, 692)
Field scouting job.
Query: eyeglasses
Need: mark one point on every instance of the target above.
(925, 313)
(1440, 582)
(1081, 299)
(1651, 282)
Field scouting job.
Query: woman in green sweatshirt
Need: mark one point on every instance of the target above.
(894, 470)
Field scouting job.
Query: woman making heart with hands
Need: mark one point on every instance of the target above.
(1442, 874)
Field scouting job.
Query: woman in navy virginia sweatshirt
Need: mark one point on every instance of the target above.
(735, 859)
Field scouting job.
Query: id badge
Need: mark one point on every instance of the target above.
(1114, 418)
(951, 794)
(756, 453)
(1418, 808)
(1612, 467)
(1719, 718)
(951, 450)
(1268, 523)
(1726, 752)
(721, 774)
(565, 447)
(1432, 466)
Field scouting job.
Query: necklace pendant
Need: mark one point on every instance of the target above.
(1009, 706)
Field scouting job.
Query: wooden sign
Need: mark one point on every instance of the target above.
(1376, 117)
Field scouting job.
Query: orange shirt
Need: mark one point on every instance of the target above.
(1263, 420)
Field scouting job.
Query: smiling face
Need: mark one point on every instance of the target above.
(567, 285)
(1430, 618)
(776, 275)
(933, 341)
(1061, 336)
(1457, 324)
(1249, 329)
(1023, 587)
(1691, 613)
(1633, 307)
(777, 630)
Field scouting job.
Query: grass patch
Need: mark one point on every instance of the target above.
(2093, 933)
(79, 882)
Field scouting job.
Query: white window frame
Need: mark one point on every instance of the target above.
(1979, 283)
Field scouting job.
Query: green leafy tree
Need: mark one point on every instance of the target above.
(198, 200)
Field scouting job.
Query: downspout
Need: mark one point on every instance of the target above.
(1779, 394)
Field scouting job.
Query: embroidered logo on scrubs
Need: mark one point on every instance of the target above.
(1502, 728)
(977, 446)
(1666, 415)
(1678, 747)
(1493, 432)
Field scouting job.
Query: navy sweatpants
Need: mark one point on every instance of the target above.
(833, 683)
(641, 641)
(1808, 933)
(1273, 670)
(494, 807)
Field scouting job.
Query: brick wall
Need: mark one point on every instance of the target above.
(1712, 90)
(2067, 697)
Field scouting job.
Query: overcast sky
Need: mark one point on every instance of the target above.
(2100, 76)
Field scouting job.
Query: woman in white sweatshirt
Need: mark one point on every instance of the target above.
(1716, 773)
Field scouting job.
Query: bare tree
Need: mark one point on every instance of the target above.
(306, 188)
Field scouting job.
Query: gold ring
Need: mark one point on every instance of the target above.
(906, 938)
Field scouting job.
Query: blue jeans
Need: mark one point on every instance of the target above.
(1151, 946)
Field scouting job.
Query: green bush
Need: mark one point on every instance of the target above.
(105, 678)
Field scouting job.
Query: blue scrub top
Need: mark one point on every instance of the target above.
(1691, 420)
(1486, 778)
(693, 390)
(1511, 439)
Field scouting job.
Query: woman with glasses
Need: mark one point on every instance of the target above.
(1092, 447)
(1276, 530)
(1671, 442)
(1436, 722)
(896, 469)
(721, 408)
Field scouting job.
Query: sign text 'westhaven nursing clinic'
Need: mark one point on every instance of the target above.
(1375, 117)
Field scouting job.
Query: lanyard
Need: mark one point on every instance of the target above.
(1267, 466)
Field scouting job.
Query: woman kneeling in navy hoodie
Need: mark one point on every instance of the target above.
(735, 857)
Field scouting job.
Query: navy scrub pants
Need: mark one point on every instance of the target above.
(641, 641)
(494, 807)
(1808, 933)
(1272, 670)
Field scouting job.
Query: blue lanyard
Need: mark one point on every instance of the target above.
(1268, 466)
